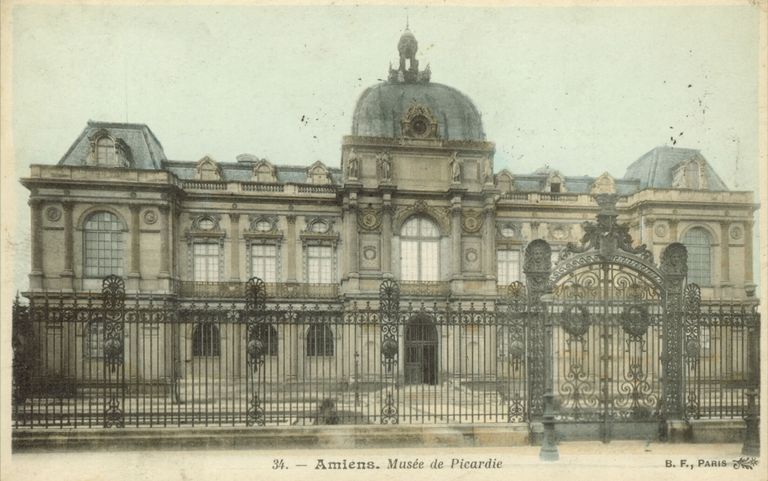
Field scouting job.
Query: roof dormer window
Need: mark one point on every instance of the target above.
(554, 187)
(105, 151)
(108, 151)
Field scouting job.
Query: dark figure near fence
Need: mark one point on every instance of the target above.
(327, 413)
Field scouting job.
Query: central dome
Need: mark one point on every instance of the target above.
(383, 109)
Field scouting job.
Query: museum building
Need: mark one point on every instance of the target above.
(416, 200)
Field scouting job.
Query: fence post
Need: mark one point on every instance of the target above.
(21, 339)
(692, 331)
(113, 310)
(389, 307)
(752, 419)
(537, 266)
(674, 267)
(255, 304)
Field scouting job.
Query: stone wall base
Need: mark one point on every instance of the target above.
(332, 437)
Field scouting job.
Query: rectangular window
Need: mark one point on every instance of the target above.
(264, 262)
(320, 265)
(508, 270)
(206, 262)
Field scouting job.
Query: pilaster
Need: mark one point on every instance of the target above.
(68, 274)
(36, 239)
(234, 246)
(165, 269)
(134, 273)
(291, 249)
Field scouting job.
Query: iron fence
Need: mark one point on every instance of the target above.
(135, 361)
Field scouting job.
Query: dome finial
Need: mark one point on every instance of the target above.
(408, 70)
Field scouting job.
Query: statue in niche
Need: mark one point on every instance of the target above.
(353, 165)
(455, 168)
(487, 171)
(385, 166)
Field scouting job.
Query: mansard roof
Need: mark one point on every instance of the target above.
(536, 182)
(146, 150)
(656, 168)
(243, 172)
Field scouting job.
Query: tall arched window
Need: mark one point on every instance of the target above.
(103, 255)
(319, 340)
(419, 250)
(699, 245)
(206, 340)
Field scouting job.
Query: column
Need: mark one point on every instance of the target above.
(673, 231)
(386, 237)
(456, 237)
(36, 239)
(291, 249)
(489, 241)
(68, 272)
(725, 277)
(234, 246)
(535, 229)
(135, 242)
(165, 269)
(648, 233)
(353, 245)
(748, 274)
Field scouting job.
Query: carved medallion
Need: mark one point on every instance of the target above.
(472, 221)
(150, 216)
(660, 230)
(369, 219)
(737, 232)
(369, 253)
(471, 255)
(53, 214)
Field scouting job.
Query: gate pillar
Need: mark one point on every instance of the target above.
(537, 266)
(674, 267)
(389, 306)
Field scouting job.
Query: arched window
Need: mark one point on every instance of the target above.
(268, 335)
(319, 340)
(93, 340)
(699, 245)
(103, 245)
(105, 150)
(206, 340)
(420, 250)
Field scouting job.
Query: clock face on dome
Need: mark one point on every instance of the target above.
(419, 125)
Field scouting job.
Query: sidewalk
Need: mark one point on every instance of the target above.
(618, 460)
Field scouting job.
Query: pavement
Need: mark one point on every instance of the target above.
(617, 460)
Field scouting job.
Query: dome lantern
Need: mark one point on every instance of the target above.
(408, 68)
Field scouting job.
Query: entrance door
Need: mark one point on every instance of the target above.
(420, 352)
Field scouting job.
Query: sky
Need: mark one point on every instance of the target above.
(583, 90)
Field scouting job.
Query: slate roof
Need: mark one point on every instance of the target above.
(655, 168)
(146, 150)
(573, 184)
(381, 107)
(243, 172)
